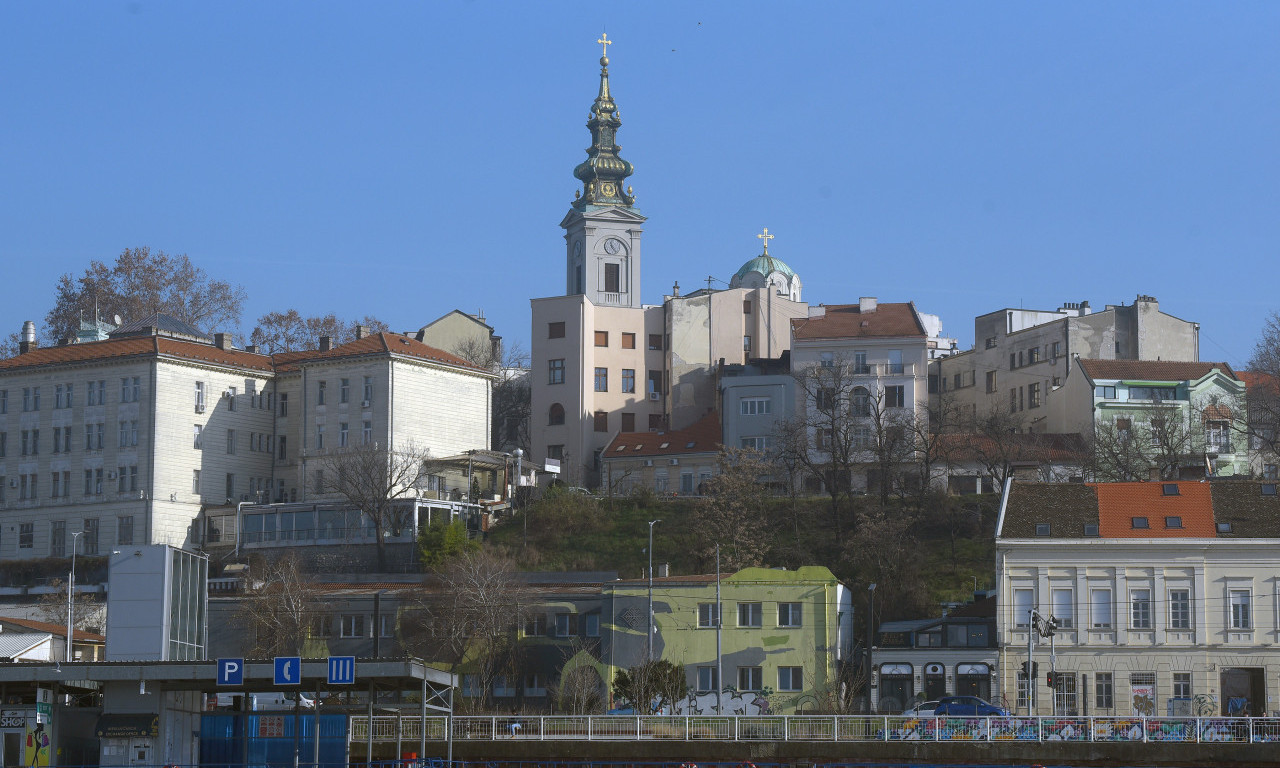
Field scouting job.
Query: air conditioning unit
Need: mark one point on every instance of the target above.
(226, 393)
(199, 407)
(112, 475)
(364, 403)
(654, 395)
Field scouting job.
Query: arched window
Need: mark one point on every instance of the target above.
(861, 402)
(555, 415)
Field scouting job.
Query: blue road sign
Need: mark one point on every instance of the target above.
(342, 670)
(230, 671)
(288, 670)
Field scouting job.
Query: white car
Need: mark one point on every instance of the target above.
(923, 709)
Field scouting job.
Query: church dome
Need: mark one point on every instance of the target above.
(765, 271)
(765, 265)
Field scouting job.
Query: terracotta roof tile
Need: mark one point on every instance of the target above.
(136, 346)
(1120, 503)
(375, 344)
(1151, 370)
(844, 321)
(701, 437)
(1258, 379)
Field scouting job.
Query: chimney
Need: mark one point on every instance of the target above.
(867, 304)
(675, 289)
(818, 311)
(28, 340)
(251, 348)
(221, 341)
(325, 343)
(362, 331)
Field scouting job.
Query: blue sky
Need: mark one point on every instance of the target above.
(406, 159)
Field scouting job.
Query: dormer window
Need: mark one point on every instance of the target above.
(1091, 530)
(1224, 527)
(1268, 489)
(1171, 489)
(1140, 522)
(1042, 529)
(1173, 522)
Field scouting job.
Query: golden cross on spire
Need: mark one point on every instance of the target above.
(604, 42)
(766, 237)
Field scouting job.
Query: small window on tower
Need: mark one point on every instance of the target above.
(612, 278)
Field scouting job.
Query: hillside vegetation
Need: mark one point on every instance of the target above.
(920, 554)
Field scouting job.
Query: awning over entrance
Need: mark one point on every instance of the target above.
(116, 726)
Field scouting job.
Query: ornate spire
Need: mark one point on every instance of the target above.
(603, 172)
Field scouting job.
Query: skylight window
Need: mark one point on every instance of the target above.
(1140, 522)
(665, 445)
(1171, 489)
(1042, 529)
(1091, 529)
(1224, 527)
(1173, 522)
(1268, 489)
(689, 444)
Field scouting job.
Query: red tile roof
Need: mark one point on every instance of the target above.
(1119, 503)
(1151, 370)
(845, 321)
(1254, 379)
(136, 346)
(375, 344)
(701, 437)
(60, 630)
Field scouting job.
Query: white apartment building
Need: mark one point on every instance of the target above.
(1021, 356)
(126, 441)
(1165, 595)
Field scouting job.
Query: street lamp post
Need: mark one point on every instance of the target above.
(71, 592)
(649, 624)
(871, 638)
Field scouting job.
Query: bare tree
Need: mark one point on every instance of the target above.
(650, 686)
(579, 690)
(142, 282)
(733, 512)
(280, 608)
(373, 478)
(1263, 424)
(1153, 439)
(290, 331)
(488, 598)
(52, 607)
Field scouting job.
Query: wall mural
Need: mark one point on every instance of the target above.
(732, 701)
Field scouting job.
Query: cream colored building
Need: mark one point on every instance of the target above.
(604, 362)
(1165, 594)
(127, 440)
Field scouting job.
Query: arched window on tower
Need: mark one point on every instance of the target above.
(555, 415)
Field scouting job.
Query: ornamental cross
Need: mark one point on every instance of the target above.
(604, 42)
(766, 237)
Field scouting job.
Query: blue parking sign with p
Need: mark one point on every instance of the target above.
(342, 670)
(230, 671)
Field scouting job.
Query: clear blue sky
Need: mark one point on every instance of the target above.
(406, 159)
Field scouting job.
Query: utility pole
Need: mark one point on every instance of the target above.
(719, 625)
(71, 595)
(649, 621)
(871, 637)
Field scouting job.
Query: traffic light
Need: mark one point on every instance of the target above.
(1024, 669)
(1048, 679)
(1035, 669)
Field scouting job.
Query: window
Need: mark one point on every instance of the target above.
(790, 678)
(762, 443)
(1239, 600)
(629, 380)
(1181, 685)
(366, 433)
(1044, 529)
(707, 680)
(31, 398)
(746, 343)
(655, 342)
(128, 436)
(535, 625)
(28, 487)
(707, 615)
(4, 440)
(198, 442)
(1179, 609)
(749, 614)
(283, 452)
(1033, 395)
(750, 678)
(93, 482)
(600, 421)
(344, 390)
(195, 481)
(555, 415)
(352, 625)
(1023, 602)
(89, 546)
(1170, 489)
(612, 278)
(1013, 360)
(1056, 349)
(1013, 400)
(231, 486)
(628, 340)
(1107, 392)
(231, 441)
(4, 401)
(127, 478)
(746, 307)
(319, 437)
(230, 394)
(655, 422)
(991, 381)
(555, 452)
(555, 330)
(58, 538)
(555, 371)
(1157, 394)
(591, 624)
(755, 406)
(826, 359)
(566, 625)
(602, 338)
(26, 535)
(342, 434)
(284, 404)
(124, 530)
(1100, 608)
(1104, 690)
(321, 386)
(655, 384)
(1033, 355)
(1173, 522)
(895, 362)
(130, 389)
(1140, 608)
(628, 422)
(826, 399)
(602, 379)
(1063, 608)
(94, 436)
(790, 614)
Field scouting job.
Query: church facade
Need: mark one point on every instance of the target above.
(603, 361)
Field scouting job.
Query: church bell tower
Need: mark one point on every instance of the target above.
(602, 228)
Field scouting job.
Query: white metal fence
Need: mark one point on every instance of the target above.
(851, 728)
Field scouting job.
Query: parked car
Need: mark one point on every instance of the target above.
(970, 706)
(923, 709)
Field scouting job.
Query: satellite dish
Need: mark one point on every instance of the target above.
(116, 319)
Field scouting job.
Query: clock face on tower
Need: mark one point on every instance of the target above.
(612, 246)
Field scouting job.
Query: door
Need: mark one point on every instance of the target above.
(1243, 693)
(139, 753)
(12, 749)
(935, 682)
(896, 693)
